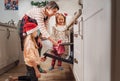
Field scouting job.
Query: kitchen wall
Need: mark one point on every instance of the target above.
(68, 6)
(6, 15)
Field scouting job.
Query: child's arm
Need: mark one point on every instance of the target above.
(42, 59)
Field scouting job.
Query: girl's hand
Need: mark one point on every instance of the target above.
(42, 59)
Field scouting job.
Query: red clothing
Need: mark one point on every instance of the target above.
(58, 51)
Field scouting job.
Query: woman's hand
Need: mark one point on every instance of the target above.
(53, 41)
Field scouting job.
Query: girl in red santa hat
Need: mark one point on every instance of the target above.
(31, 55)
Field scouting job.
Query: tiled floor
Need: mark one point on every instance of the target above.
(54, 75)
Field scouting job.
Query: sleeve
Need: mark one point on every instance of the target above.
(42, 25)
(53, 32)
(29, 52)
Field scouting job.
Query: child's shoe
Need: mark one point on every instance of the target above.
(60, 68)
(41, 70)
(51, 68)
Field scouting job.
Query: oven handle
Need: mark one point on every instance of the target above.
(80, 28)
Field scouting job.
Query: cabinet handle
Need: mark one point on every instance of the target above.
(80, 26)
(75, 60)
(8, 31)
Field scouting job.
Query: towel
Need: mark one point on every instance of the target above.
(60, 49)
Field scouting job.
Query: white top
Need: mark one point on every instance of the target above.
(60, 33)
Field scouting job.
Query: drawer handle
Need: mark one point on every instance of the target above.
(8, 31)
(80, 26)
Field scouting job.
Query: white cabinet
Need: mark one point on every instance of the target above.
(9, 46)
(78, 51)
(93, 51)
(13, 44)
(97, 47)
(3, 46)
(92, 7)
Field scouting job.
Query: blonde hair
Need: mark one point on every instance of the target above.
(60, 14)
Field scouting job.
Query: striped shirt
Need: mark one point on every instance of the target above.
(39, 15)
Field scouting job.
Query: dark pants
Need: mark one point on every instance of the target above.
(31, 76)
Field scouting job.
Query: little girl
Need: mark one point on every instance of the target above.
(59, 33)
(31, 55)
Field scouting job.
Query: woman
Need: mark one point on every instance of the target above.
(39, 16)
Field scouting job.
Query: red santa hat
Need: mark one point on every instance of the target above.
(30, 28)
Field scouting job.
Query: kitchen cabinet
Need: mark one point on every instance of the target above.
(92, 42)
(9, 47)
(78, 50)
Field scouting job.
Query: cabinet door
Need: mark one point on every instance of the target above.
(93, 52)
(78, 50)
(91, 7)
(13, 45)
(97, 42)
(3, 52)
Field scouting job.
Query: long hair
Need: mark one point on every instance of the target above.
(52, 5)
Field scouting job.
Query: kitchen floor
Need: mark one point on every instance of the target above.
(54, 75)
